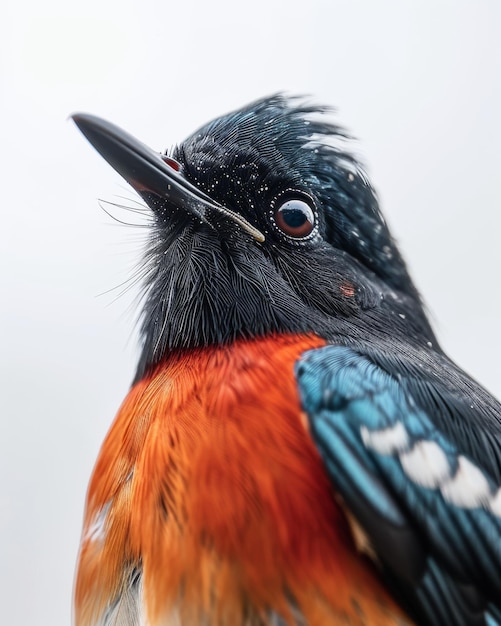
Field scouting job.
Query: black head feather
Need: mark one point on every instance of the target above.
(212, 283)
(248, 157)
(263, 223)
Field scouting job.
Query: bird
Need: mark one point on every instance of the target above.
(296, 449)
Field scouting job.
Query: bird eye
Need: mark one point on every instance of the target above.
(295, 217)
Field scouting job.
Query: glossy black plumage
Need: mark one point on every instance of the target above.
(246, 161)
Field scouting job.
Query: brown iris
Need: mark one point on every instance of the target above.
(295, 218)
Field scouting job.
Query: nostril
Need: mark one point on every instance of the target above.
(171, 162)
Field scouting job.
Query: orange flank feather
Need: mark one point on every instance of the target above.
(209, 486)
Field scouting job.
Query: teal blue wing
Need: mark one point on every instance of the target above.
(404, 451)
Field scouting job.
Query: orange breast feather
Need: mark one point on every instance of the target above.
(209, 486)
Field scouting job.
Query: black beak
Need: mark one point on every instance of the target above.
(147, 172)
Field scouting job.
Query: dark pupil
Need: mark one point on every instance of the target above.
(294, 218)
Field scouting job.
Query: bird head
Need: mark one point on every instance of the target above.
(262, 223)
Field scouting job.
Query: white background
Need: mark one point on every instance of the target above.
(417, 82)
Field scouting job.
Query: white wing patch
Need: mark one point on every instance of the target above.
(387, 440)
(426, 464)
(468, 488)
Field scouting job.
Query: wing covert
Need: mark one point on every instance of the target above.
(433, 516)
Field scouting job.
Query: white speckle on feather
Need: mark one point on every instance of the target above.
(97, 528)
